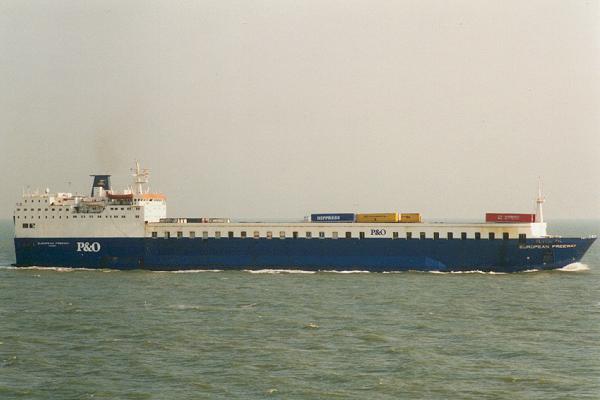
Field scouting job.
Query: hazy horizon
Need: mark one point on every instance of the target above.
(268, 109)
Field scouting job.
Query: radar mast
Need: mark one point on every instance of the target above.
(539, 213)
(140, 178)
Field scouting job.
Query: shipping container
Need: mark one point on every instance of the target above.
(219, 220)
(379, 217)
(410, 217)
(197, 220)
(173, 220)
(509, 217)
(332, 217)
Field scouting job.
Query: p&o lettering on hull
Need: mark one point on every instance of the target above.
(88, 247)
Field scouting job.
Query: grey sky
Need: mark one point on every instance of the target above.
(280, 108)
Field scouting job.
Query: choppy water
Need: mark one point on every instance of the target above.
(68, 334)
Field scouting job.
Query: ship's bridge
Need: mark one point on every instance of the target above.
(155, 205)
(104, 213)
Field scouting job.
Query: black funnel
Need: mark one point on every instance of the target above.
(102, 181)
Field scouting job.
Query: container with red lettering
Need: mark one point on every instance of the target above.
(509, 218)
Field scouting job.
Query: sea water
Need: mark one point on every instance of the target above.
(86, 334)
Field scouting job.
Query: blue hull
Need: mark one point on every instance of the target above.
(378, 255)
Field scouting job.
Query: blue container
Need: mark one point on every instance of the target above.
(343, 217)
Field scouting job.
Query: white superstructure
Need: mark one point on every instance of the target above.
(102, 214)
(136, 212)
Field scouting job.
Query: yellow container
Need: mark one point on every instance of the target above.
(410, 217)
(381, 217)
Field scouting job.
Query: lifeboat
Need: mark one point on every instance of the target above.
(122, 196)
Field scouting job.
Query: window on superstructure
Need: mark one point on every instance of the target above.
(154, 234)
(308, 235)
(256, 234)
(408, 235)
(295, 235)
(204, 235)
(39, 209)
(491, 236)
(505, 236)
(477, 235)
(99, 216)
(179, 234)
(230, 235)
(522, 238)
(321, 235)
(218, 235)
(436, 235)
(269, 235)
(361, 235)
(25, 225)
(422, 235)
(334, 235)
(122, 216)
(243, 234)
(281, 234)
(167, 235)
(32, 225)
(45, 209)
(192, 234)
(463, 235)
(450, 235)
(348, 235)
(395, 235)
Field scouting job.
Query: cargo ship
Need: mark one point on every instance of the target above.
(131, 230)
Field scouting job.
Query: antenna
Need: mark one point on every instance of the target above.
(140, 177)
(539, 213)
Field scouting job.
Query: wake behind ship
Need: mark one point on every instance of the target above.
(130, 230)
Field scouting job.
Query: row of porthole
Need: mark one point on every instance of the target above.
(46, 200)
(75, 216)
(321, 235)
(69, 209)
(45, 209)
